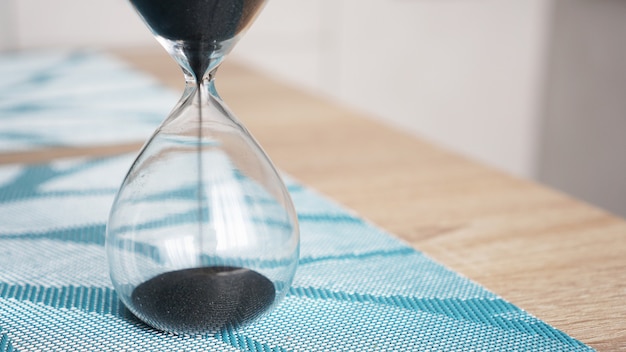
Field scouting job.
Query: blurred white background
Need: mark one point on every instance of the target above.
(536, 88)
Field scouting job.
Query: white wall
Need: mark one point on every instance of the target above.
(63, 23)
(584, 127)
(288, 40)
(7, 25)
(465, 74)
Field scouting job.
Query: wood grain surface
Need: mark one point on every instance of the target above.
(557, 258)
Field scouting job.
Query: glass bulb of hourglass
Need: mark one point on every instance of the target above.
(202, 234)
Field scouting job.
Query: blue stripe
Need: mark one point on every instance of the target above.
(5, 343)
(295, 187)
(79, 193)
(245, 343)
(102, 300)
(88, 234)
(482, 311)
(352, 256)
(339, 217)
(13, 111)
(27, 184)
(32, 138)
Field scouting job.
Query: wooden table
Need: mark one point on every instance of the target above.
(561, 260)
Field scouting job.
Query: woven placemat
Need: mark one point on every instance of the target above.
(60, 99)
(357, 288)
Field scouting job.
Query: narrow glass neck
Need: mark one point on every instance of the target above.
(207, 81)
(201, 60)
(202, 93)
(198, 60)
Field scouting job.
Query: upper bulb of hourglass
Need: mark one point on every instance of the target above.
(202, 234)
(198, 33)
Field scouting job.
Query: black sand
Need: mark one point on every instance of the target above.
(198, 20)
(202, 25)
(203, 300)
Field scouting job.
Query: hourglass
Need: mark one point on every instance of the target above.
(202, 234)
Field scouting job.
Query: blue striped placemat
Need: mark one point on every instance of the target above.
(357, 288)
(56, 99)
